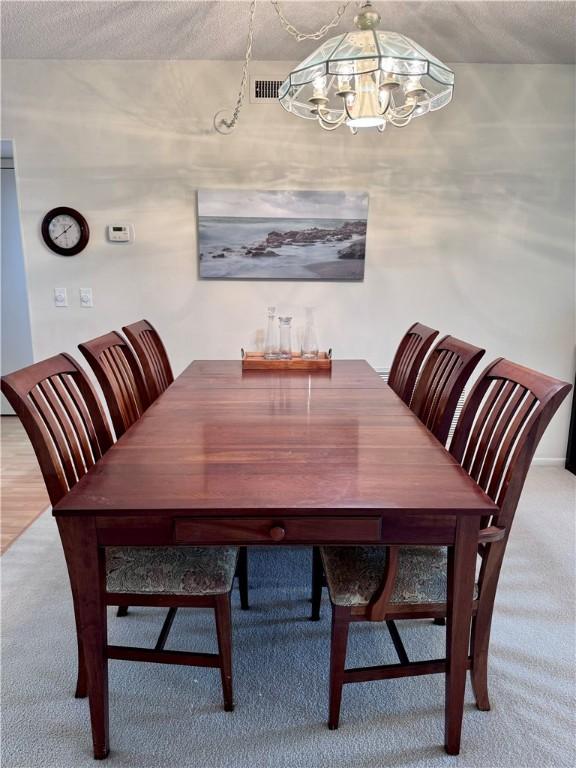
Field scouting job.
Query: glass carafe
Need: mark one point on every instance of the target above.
(285, 338)
(271, 341)
(310, 338)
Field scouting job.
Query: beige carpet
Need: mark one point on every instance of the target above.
(163, 716)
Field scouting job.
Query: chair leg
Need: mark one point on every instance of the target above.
(242, 573)
(317, 579)
(81, 681)
(340, 623)
(122, 610)
(480, 641)
(482, 623)
(224, 632)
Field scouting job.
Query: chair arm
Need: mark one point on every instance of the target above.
(376, 609)
(490, 534)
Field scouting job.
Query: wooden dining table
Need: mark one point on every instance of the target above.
(226, 456)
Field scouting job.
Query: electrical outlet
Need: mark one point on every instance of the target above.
(60, 297)
(86, 297)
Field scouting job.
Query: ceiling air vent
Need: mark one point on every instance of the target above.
(265, 90)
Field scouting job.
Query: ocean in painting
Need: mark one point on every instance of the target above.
(282, 248)
(281, 234)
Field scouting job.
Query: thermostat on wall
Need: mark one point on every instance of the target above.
(120, 233)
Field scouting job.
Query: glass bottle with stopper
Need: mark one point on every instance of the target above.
(285, 337)
(310, 338)
(271, 351)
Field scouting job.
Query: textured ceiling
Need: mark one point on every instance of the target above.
(527, 31)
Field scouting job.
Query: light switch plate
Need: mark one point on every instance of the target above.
(86, 300)
(60, 297)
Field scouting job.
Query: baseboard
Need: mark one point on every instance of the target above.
(549, 462)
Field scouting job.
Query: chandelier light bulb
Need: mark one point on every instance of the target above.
(343, 83)
(384, 97)
(319, 86)
(412, 84)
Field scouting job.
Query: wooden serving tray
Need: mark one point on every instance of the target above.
(255, 361)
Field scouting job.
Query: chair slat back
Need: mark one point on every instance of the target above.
(152, 355)
(120, 377)
(408, 359)
(63, 418)
(499, 429)
(442, 381)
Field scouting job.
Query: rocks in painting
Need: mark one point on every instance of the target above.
(260, 252)
(349, 229)
(276, 238)
(355, 250)
(295, 237)
(314, 235)
(223, 254)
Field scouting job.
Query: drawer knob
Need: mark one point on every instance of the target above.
(277, 533)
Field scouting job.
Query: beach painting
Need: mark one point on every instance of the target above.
(281, 235)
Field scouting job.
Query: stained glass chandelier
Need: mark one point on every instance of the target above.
(366, 79)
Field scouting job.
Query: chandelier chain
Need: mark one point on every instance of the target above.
(230, 124)
(300, 36)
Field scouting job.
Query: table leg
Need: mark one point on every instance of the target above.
(461, 575)
(87, 577)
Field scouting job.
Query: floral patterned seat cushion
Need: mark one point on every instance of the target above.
(354, 574)
(171, 570)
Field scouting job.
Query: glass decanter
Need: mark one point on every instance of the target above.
(310, 338)
(285, 338)
(271, 340)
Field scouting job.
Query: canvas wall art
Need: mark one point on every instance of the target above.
(282, 235)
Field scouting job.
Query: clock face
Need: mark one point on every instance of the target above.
(65, 231)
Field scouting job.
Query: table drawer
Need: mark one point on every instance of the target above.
(276, 530)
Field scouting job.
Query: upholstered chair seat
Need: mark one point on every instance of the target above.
(353, 574)
(171, 570)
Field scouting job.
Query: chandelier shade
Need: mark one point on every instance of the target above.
(367, 78)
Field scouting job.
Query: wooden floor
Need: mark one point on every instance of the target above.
(23, 492)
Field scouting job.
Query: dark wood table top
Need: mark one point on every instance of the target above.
(220, 440)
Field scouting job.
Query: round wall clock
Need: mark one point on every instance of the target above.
(65, 231)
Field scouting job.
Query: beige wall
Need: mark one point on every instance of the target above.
(471, 221)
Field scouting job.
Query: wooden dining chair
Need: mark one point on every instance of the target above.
(64, 420)
(441, 383)
(151, 353)
(503, 419)
(158, 376)
(408, 359)
(120, 377)
(127, 396)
